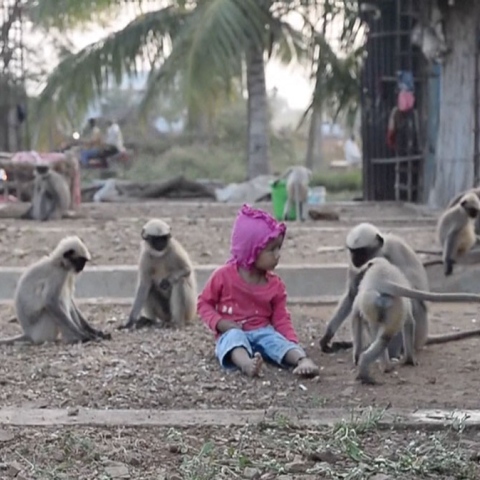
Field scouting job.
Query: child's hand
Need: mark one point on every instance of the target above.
(224, 325)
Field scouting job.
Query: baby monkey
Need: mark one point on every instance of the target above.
(166, 285)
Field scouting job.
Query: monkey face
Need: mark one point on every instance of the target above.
(42, 169)
(158, 242)
(77, 262)
(472, 212)
(359, 256)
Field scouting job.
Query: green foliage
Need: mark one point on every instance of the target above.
(338, 181)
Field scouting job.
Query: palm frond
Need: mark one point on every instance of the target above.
(210, 48)
(81, 77)
(68, 13)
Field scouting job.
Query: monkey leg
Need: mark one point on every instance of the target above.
(182, 303)
(409, 341)
(395, 346)
(373, 352)
(156, 307)
(287, 208)
(43, 329)
(357, 335)
(420, 317)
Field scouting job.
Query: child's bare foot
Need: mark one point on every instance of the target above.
(252, 367)
(306, 368)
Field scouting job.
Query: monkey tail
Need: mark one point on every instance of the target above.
(452, 337)
(398, 290)
(12, 340)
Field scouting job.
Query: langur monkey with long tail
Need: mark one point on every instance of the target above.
(365, 242)
(51, 195)
(456, 230)
(298, 179)
(44, 298)
(383, 304)
(166, 285)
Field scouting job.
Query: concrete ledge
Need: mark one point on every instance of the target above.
(302, 281)
(391, 418)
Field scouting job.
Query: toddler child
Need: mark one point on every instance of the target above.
(245, 304)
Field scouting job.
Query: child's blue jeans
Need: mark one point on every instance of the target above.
(267, 341)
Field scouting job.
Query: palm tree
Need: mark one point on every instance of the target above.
(200, 46)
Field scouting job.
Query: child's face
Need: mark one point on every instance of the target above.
(268, 258)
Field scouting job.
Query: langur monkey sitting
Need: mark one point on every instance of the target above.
(298, 178)
(383, 304)
(166, 286)
(456, 200)
(456, 230)
(44, 302)
(366, 242)
(51, 195)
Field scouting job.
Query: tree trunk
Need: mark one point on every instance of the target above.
(455, 139)
(314, 148)
(258, 128)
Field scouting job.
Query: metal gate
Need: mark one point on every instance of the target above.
(391, 173)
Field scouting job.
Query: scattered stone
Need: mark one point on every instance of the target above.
(6, 436)
(117, 471)
(251, 473)
(73, 412)
(323, 456)
(296, 466)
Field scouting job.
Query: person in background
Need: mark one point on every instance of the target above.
(113, 141)
(353, 157)
(93, 143)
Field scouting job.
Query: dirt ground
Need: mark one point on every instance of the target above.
(112, 232)
(354, 451)
(168, 369)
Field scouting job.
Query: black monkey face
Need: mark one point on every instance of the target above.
(157, 242)
(471, 212)
(359, 256)
(42, 169)
(77, 262)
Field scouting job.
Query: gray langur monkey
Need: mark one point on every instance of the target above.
(364, 242)
(44, 302)
(456, 200)
(384, 315)
(51, 195)
(298, 179)
(166, 285)
(384, 305)
(456, 230)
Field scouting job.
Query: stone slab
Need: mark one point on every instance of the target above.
(391, 418)
(302, 281)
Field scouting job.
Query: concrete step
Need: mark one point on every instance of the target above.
(302, 281)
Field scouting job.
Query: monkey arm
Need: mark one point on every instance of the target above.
(449, 250)
(342, 311)
(78, 316)
(179, 274)
(59, 315)
(281, 320)
(141, 296)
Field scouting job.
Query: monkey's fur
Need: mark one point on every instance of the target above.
(166, 286)
(365, 242)
(456, 230)
(456, 200)
(51, 195)
(384, 315)
(383, 302)
(44, 302)
(298, 178)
